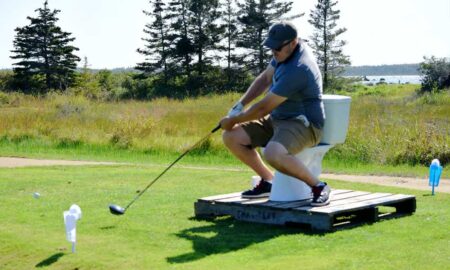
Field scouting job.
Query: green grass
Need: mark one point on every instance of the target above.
(392, 130)
(391, 124)
(40, 149)
(158, 232)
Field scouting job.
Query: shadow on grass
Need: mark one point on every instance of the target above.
(50, 260)
(226, 235)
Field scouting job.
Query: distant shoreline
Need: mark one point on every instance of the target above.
(383, 70)
(379, 70)
(390, 79)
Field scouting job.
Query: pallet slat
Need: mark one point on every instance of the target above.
(238, 199)
(336, 195)
(222, 196)
(344, 201)
(365, 204)
(361, 204)
(343, 196)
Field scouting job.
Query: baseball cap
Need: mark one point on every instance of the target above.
(279, 33)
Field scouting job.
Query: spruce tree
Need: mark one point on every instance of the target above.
(230, 36)
(181, 37)
(207, 33)
(231, 32)
(157, 45)
(327, 47)
(46, 58)
(256, 17)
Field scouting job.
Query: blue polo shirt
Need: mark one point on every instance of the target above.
(298, 79)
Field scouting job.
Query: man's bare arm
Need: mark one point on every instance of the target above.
(260, 109)
(256, 111)
(259, 86)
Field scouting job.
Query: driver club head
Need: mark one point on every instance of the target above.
(116, 210)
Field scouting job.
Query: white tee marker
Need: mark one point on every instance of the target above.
(70, 220)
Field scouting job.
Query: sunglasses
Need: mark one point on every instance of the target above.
(282, 46)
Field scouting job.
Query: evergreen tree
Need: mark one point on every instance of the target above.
(181, 36)
(256, 17)
(231, 32)
(207, 33)
(46, 58)
(157, 45)
(231, 36)
(85, 78)
(327, 47)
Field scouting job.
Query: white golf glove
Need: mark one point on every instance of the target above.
(237, 109)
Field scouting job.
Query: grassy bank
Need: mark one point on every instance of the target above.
(44, 150)
(392, 129)
(159, 233)
(391, 124)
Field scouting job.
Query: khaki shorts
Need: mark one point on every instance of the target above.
(291, 133)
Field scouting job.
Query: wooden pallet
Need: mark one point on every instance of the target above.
(345, 206)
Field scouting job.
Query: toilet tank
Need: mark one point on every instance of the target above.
(337, 113)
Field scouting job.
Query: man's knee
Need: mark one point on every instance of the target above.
(273, 153)
(228, 137)
(235, 136)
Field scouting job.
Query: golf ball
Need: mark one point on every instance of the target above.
(36, 195)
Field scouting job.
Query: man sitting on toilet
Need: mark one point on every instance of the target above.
(289, 118)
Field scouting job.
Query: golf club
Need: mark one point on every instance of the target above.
(118, 210)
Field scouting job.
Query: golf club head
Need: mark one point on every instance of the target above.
(116, 210)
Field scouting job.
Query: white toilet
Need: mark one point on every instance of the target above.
(337, 112)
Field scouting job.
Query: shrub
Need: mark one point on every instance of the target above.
(120, 140)
(17, 138)
(67, 106)
(6, 80)
(4, 99)
(138, 88)
(336, 83)
(423, 154)
(436, 74)
(65, 143)
(12, 99)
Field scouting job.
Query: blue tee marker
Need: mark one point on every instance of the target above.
(435, 174)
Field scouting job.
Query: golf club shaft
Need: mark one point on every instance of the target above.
(170, 166)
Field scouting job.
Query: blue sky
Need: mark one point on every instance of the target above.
(108, 32)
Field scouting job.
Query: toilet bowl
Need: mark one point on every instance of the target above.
(337, 112)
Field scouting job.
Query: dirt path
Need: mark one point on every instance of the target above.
(12, 162)
(403, 182)
(393, 181)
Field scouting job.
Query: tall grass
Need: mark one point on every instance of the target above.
(161, 124)
(394, 125)
(389, 125)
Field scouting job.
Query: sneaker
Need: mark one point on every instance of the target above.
(261, 190)
(321, 195)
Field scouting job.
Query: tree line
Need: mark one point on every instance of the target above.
(201, 46)
(192, 47)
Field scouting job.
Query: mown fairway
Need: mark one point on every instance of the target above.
(158, 231)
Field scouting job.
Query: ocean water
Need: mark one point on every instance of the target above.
(393, 79)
